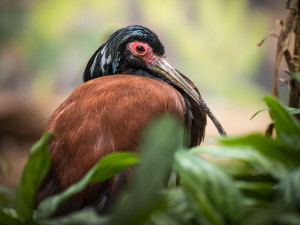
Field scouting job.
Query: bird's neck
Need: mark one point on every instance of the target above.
(144, 73)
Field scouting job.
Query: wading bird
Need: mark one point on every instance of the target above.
(128, 83)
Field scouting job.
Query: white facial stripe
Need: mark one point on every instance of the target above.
(108, 59)
(103, 62)
(102, 51)
(93, 65)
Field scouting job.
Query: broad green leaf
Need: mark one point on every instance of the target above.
(288, 189)
(34, 171)
(8, 219)
(268, 216)
(143, 197)
(234, 167)
(113, 164)
(211, 192)
(287, 127)
(108, 166)
(273, 149)
(256, 160)
(178, 211)
(83, 217)
(259, 190)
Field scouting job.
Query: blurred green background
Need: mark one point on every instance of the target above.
(45, 45)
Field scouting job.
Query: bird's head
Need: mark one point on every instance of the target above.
(135, 50)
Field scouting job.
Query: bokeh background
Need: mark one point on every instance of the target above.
(45, 45)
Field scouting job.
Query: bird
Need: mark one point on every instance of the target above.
(127, 84)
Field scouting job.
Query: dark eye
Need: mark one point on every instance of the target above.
(140, 48)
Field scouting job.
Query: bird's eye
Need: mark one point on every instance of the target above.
(140, 48)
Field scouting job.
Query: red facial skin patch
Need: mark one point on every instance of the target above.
(143, 51)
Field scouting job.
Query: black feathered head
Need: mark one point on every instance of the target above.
(106, 60)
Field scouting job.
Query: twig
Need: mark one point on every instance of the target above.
(282, 46)
(294, 96)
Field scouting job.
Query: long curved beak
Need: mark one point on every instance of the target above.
(161, 66)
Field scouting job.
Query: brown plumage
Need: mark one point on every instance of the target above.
(108, 114)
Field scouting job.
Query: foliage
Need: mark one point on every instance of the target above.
(273, 168)
(33, 173)
(253, 179)
(289, 109)
(36, 168)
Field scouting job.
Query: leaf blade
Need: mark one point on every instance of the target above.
(204, 183)
(287, 127)
(108, 166)
(160, 141)
(274, 149)
(34, 171)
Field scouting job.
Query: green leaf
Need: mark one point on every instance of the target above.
(275, 214)
(292, 110)
(233, 166)
(287, 127)
(255, 159)
(288, 189)
(143, 197)
(259, 111)
(85, 216)
(211, 192)
(273, 149)
(258, 190)
(289, 109)
(34, 171)
(5, 218)
(112, 164)
(108, 166)
(178, 211)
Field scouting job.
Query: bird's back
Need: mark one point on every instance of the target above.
(102, 116)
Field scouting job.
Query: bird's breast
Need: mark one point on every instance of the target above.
(105, 115)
